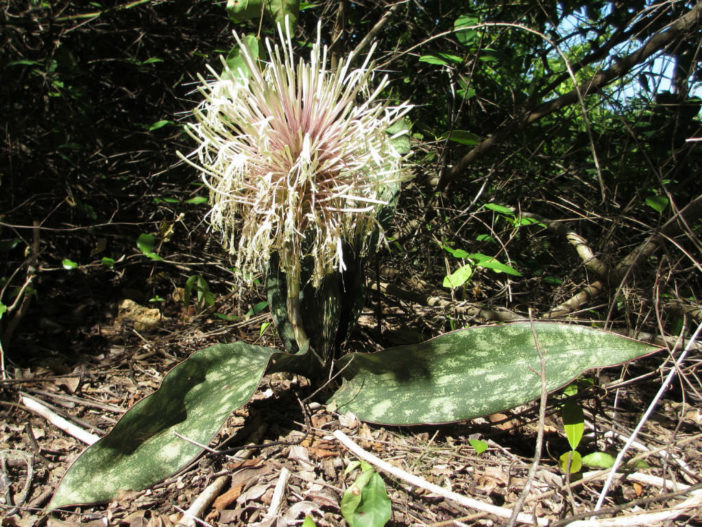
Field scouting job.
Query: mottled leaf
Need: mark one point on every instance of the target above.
(473, 372)
(142, 449)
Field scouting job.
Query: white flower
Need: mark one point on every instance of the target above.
(296, 156)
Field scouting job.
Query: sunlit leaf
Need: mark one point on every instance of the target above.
(366, 502)
(474, 372)
(570, 462)
(499, 208)
(463, 35)
(598, 460)
(69, 264)
(657, 203)
(459, 277)
(197, 200)
(489, 262)
(573, 422)
(478, 445)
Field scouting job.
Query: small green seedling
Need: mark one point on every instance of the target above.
(572, 462)
(478, 445)
(145, 243)
(365, 503)
(199, 286)
(473, 260)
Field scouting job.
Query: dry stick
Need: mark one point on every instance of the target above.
(422, 483)
(58, 421)
(214, 489)
(644, 419)
(691, 212)
(376, 29)
(540, 434)
(278, 494)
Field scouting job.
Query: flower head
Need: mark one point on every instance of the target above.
(296, 156)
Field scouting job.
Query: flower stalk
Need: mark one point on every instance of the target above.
(298, 161)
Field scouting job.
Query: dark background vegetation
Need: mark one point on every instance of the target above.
(94, 97)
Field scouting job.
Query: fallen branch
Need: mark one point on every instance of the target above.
(58, 421)
(199, 506)
(424, 484)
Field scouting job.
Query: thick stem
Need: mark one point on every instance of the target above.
(294, 309)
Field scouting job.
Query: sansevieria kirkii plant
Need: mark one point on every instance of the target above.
(300, 158)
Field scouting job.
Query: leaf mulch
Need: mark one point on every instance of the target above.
(115, 364)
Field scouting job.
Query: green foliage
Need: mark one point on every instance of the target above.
(573, 422)
(69, 264)
(145, 243)
(276, 10)
(478, 445)
(460, 375)
(473, 372)
(193, 401)
(203, 296)
(460, 276)
(365, 503)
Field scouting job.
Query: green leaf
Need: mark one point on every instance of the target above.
(145, 243)
(3, 310)
(236, 65)
(441, 59)
(197, 200)
(657, 203)
(499, 209)
(69, 264)
(400, 135)
(459, 277)
(108, 262)
(473, 372)
(366, 502)
(242, 10)
(465, 36)
(571, 462)
(489, 262)
(598, 460)
(573, 422)
(308, 522)
(463, 137)
(478, 445)
(194, 400)
(458, 253)
(159, 124)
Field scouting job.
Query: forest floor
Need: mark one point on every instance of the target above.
(121, 351)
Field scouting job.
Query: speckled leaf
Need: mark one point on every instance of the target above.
(473, 372)
(194, 400)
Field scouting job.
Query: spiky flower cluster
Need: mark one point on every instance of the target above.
(296, 156)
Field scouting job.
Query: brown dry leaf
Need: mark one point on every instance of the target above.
(70, 383)
(247, 463)
(638, 489)
(322, 452)
(224, 500)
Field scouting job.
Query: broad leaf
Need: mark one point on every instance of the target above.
(194, 400)
(598, 460)
(459, 277)
(473, 372)
(571, 462)
(366, 502)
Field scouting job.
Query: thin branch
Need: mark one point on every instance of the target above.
(436, 489)
(669, 34)
(540, 434)
(644, 418)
